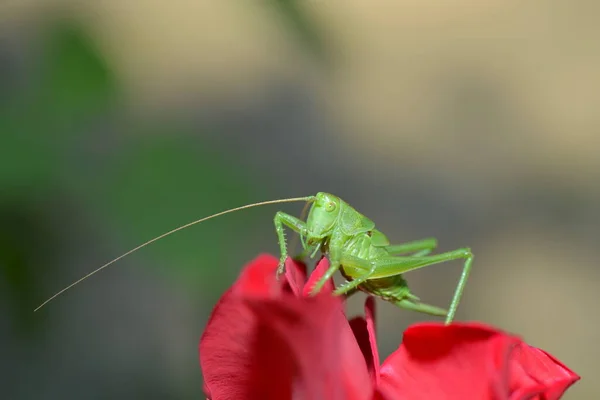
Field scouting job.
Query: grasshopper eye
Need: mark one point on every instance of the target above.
(329, 207)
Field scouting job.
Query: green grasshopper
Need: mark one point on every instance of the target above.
(362, 253)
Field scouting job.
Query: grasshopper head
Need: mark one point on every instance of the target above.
(323, 216)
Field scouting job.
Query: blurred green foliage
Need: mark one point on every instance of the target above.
(140, 179)
(70, 84)
(304, 29)
(27, 243)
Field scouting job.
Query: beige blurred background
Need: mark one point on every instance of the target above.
(476, 122)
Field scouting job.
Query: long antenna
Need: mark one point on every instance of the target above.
(262, 203)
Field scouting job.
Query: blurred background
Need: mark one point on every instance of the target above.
(474, 122)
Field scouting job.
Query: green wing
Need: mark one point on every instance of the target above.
(378, 239)
(353, 222)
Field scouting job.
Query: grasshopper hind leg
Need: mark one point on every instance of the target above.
(417, 248)
(394, 265)
(416, 305)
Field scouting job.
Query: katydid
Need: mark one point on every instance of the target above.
(363, 254)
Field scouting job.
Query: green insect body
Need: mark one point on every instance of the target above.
(364, 255)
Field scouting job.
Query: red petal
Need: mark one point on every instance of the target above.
(258, 278)
(440, 362)
(468, 361)
(233, 359)
(226, 348)
(370, 317)
(319, 271)
(361, 334)
(534, 374)
(295, 274)
(330, 364)
(364, 332)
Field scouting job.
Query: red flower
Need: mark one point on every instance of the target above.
(266, 339)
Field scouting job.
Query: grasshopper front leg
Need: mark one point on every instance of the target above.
(294, 224)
